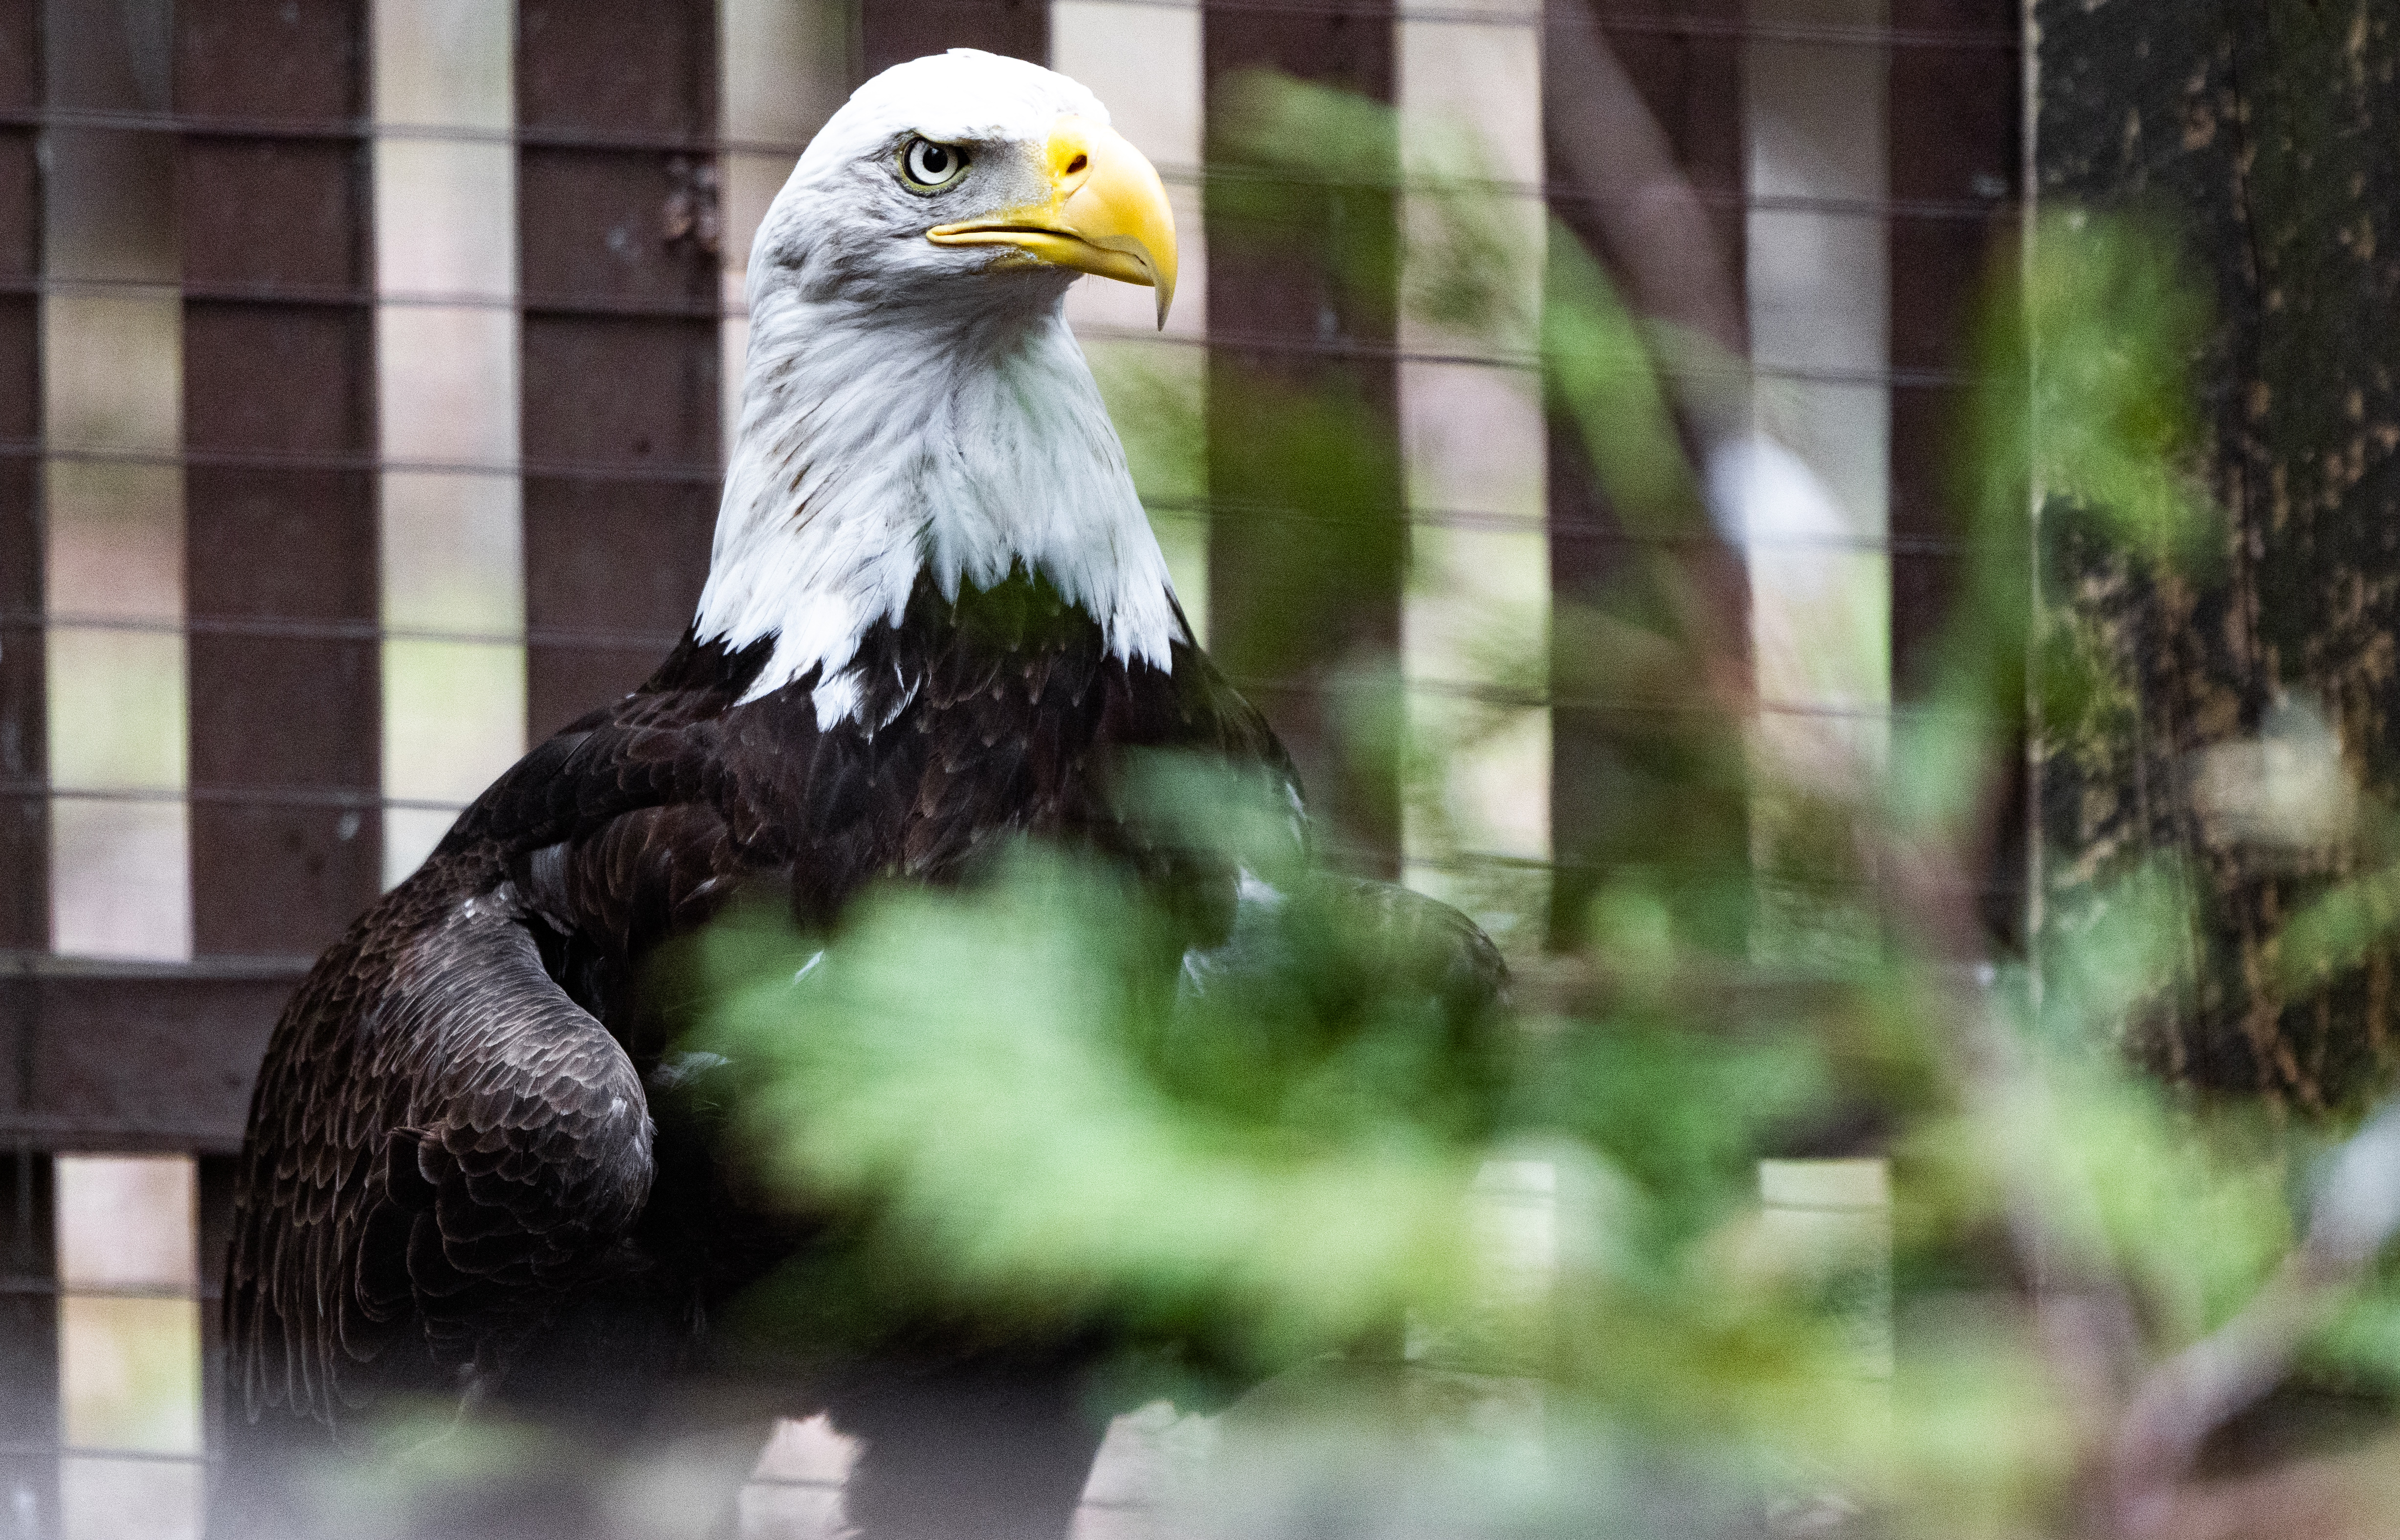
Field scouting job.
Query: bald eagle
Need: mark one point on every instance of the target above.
(935, 622)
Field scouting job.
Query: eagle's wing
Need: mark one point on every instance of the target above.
(444, 1139)
(441, 1143)
(1389, 937)
(1425, 942)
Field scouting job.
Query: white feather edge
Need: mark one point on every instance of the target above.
(873, 446)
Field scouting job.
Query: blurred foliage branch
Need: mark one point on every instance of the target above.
(1027, 1103)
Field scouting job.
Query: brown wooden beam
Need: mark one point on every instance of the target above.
(1634, 786)
(29, 1344)
(625, 405)
(1304, 611)
(128, 1055)
(278, 543)
(24, 816)
(217, 1176)
(29, 1320)
(1954, 130)
(892, 32)
(2257, 138)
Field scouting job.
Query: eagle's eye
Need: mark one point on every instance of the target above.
(928, 168)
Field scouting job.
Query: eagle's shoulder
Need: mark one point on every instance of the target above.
(972, 716)
(1010, 712)
(1219, 717)
(654, 747)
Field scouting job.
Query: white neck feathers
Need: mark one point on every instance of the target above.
(876, 444)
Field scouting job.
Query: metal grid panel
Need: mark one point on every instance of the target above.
(617, 119)
(616, 114)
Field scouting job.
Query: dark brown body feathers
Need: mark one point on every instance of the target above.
(453, 1146)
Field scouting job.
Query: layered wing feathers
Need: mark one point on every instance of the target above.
(442, 1142)
(449, 1136)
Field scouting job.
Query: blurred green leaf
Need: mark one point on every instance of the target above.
(998, 1081)
(2112, 328)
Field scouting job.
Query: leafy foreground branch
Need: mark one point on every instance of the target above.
(1018, 1102)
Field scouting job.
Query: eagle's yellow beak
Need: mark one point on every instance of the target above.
(1107, 212)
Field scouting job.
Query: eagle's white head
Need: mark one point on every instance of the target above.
(914, 400)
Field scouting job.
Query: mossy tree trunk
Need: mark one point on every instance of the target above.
(2266, 133)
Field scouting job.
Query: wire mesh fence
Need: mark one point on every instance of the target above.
(364, 376)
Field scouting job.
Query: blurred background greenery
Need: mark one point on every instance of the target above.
(1831, 1209)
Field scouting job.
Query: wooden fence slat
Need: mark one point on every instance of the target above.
(1299, 608)
(29, 1370)
(216, 1175)
(1602, 760)
(1691, 83)
(892, 32)
(1953, 134)
(629, 391)
(29, 1345)
(278, 543)
(135, 1056)
(24, 759)
(1954, 126)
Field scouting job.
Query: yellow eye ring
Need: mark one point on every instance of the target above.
(928, 167)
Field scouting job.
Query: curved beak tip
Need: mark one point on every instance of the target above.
(1107, 213)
